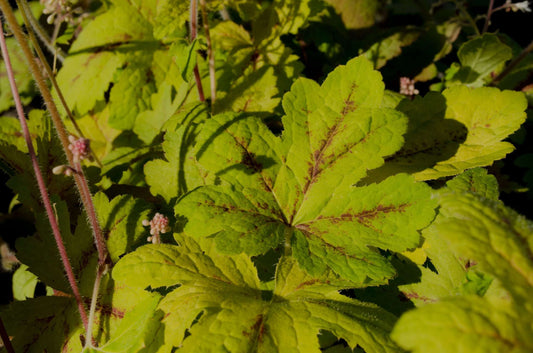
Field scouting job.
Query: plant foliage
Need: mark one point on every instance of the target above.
(260, 186)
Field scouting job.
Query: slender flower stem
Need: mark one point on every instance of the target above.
(32, 23)
(91, 213)
(81, 181)
(101, 269)
(26, 16)
(193, 31)
(460, 6)
(40, 182)
(489, 14)
(210, 54)
(5, 338)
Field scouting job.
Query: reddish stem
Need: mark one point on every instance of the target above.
(81, 182)
(91, 213)
(193, 31)
(40, 181)
(210, 54)
(5, 338)
(489, 14)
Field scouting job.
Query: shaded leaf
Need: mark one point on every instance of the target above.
(461, 129)
(479, 58)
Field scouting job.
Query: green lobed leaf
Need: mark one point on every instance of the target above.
(24, 283)
(476, 181)
(121, 222)
(132, 90)
(495, 237)
(459, 130)
(464, 324)
(390, 47)
(454, 273)
(134, 329)
(180, 171)
(41, 324)
(345, 232)
(497, 241)
(301, 187)
(479, 58)
(244, 221)
(50, 154)
(22, 75)
(220, 304)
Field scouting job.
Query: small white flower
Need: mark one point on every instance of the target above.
(522, 6)
(519, 6)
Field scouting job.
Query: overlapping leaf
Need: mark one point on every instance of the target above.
(22, 75)
(256, 68)
(500, 242)
(298, 189)
(179, 173)
(221, 305)
(462, 128)
(54, 321)
(454, 273)
(119, 46)
(480, 57)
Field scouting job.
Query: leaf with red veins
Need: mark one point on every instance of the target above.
(345, 233)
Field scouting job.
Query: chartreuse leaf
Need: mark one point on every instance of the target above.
(465, 324)
(499, 242)
(139, 322)
(476, 181)
(118, 53)
(91, 72)
(179, 172)
(299, 189)
(53, 323)
(121, 222)
(24, 283)
(495, 237)
(342, 234)
(50, 154)
(256, 68)
(455, 273)
(248, 221)
(132, 90)
(390, 47)
(221, 305)
(22, 75)
(461, 129)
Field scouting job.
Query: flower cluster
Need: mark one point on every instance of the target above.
(158, 225)
(62, 10)
(407, 86)
(79, 148)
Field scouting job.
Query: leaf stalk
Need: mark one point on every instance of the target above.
(40, 181)
(193, 32)
(5, 338)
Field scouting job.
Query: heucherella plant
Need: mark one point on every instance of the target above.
(250, 182)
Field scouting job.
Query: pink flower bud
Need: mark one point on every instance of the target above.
(79, 148)
(407, 86)
(158, 225)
